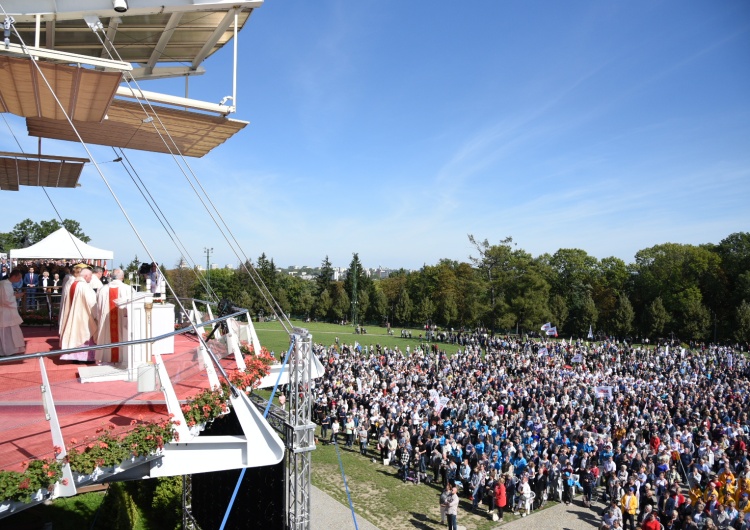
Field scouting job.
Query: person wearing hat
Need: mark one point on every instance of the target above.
(69, 278)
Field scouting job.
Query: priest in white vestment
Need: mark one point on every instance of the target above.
(108, 317)
(79, 326)
(11, 338)
(74, 273)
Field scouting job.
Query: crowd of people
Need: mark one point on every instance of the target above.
(658, 433)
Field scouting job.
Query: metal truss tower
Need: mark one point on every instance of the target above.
(300, 439)
(294, 423)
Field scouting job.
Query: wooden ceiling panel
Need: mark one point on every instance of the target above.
(84, 93)
(18, 169)
(193, 133)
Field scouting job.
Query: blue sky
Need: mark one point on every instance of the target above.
(394, 129)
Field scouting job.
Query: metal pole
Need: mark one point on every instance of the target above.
(208, 269)
(234, 66)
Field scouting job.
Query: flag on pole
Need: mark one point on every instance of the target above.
(591, 333)
(542, 352)
(547, 326)
(552, 332)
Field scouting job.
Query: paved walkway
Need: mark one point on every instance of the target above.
(560, 517)
(328, 513)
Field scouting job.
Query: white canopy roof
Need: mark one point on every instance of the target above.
(61, 245)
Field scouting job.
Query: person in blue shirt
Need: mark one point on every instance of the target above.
(519, 463)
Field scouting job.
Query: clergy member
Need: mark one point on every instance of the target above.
(79, 326)
(11, 338)
(108, 317)
(96, 279)
(74, 273)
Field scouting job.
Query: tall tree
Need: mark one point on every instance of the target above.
(322, 306)
(324, 278)
(267, 271)
(362, 282)
(656, 318)
(491, 259)
(696, 319)
(339, 302)
(742, 322)
(558, 308)
(404, 308)
(623, 317)
(378, 308)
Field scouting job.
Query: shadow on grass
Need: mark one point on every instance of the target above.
(422, 521)
(65, 514)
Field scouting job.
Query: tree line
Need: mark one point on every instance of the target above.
(689, 292)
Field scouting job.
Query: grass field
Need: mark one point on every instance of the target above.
(273, 336)
(377, 493)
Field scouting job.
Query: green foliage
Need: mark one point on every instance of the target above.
(624, 316)
(339, 302)
(742, 322)
(28, 232)
(404, 308)
(166, 504)
(656, 318)
(324, 278)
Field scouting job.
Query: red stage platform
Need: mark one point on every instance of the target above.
(83, 408)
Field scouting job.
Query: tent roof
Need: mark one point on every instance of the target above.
(61, 245)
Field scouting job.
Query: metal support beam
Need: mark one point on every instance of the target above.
(57, 437)
(215, 36)
(164, 39)
(166, 72)
(109, 45)
(155, 97)
(64, 57)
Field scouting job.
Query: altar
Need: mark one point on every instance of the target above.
(135, 324)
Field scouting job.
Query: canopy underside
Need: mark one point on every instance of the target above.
(130, 127)
(19, 169)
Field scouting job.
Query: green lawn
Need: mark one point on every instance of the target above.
(273, 336)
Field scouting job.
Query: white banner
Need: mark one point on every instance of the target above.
(577, 358)
(603, 392)
(441, 404)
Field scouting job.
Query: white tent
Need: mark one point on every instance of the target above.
(61, 245)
